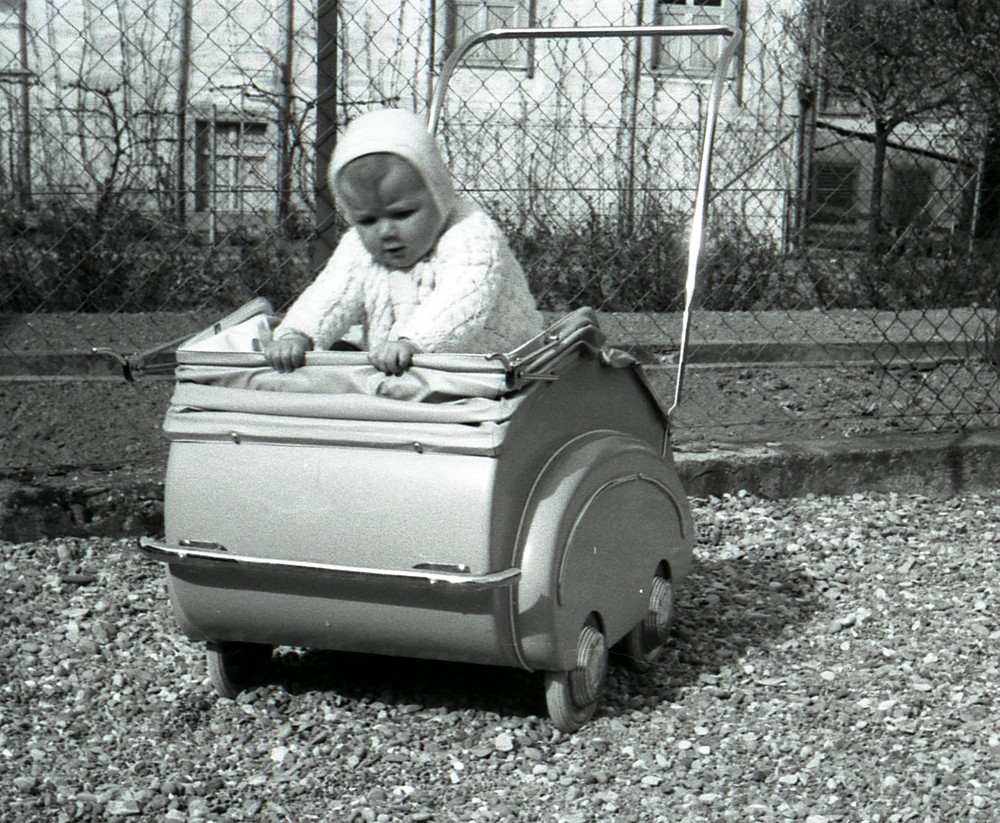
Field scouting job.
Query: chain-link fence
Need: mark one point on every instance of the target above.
(162, 161)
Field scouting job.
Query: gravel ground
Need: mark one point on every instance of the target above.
(833, 660)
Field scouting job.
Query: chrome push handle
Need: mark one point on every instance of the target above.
(734, 38)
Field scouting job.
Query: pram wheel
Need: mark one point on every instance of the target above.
(234, 667)
(572, 695)
(641, 647)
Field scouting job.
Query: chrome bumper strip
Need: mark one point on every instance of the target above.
(202, 554)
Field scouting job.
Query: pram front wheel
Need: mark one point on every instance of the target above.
(233, 667)
(642, 646)
(571, 696)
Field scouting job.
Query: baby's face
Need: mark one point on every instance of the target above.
(392, 209)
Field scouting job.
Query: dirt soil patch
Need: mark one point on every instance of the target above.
(66, 421)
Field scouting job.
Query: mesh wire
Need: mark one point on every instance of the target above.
(162, 161)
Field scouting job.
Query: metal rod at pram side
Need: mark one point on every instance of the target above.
(734, 38)
(701, 204)
(138, 364)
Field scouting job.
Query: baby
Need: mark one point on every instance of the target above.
(419, 269)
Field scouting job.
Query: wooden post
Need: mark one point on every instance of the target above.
(24, 149)
(183, 83)
(284, 121)
(326, 127)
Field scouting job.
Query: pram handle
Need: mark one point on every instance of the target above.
(734, 38)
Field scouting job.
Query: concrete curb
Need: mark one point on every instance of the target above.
(936, 465)
(129, 502)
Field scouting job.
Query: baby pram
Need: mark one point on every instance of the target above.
(537, 516)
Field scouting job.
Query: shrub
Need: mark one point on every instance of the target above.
(739, 270)
(944, 277)
(603, 264)
(65, 258)
(916, 281)
(645, 269)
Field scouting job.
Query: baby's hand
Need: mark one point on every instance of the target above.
(288, 352)
(393, 356)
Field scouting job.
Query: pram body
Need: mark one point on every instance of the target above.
(516, 510)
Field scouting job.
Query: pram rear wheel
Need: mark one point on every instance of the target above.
(572, 695)
(234, 667)
(641, 647)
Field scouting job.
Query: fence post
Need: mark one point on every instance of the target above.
(326, 126)
(633, 119)
(809, 96)
(182, 106)
(24, 150)
(284, 122)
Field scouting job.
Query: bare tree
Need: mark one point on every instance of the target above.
(292, 114)
(889, 58)
(976, 27)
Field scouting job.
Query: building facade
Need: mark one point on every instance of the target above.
(208, 111)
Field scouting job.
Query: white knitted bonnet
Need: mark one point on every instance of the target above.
(400, 132)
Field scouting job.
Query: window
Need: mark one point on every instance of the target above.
(911, 187)
(692, 56)
(839, 101)
(12, 36)
(231, 167)
(468, 17)
(833, 192)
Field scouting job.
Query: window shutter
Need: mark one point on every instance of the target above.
(692, 56)
(468, 17)
(834, 192)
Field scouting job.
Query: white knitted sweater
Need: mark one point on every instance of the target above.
(468, 295)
